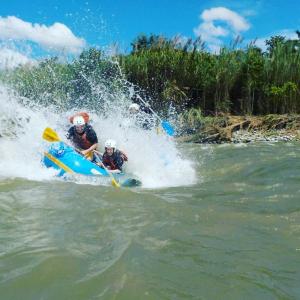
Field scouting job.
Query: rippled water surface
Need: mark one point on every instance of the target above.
(233, 235)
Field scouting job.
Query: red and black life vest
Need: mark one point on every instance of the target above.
(115, 161)
(81, 140)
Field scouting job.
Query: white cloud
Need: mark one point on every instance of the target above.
(10, 59)
(212, 33)
(288, 33)
(224, 14)
(55, 37)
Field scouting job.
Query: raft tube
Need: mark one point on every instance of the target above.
(65, 159)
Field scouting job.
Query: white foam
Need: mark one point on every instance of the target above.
(153, 158)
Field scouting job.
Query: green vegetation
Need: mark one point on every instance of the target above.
(181, 74)
(247, 81)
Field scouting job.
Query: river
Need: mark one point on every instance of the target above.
(233, 233)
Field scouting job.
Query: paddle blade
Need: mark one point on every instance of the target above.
(115, 183)
(167, 128)
(131, 182)
(50, 135)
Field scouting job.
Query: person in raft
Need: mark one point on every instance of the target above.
(113, 159)
(141, 117)
(83, 136)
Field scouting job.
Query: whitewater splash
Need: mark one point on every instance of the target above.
(153, 158)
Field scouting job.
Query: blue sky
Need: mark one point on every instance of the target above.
(103, 22)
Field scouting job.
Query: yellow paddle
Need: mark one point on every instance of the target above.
(114, 182)
(51, 136)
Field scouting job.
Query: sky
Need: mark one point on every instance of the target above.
(31, 29)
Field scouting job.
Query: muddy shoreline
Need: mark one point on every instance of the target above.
(244, 129)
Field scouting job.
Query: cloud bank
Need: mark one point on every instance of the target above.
(56, 37)
(212, 33)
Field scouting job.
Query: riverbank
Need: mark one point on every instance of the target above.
(244, 129)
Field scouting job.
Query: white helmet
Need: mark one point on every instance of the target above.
(110, 144)
(134, 107)
(78, 121)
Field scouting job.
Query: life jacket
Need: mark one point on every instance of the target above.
(81, 140)
(113, 160)
(85, 116)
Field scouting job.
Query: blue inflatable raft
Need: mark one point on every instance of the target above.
(65, 159)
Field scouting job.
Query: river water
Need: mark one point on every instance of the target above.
(232, 232)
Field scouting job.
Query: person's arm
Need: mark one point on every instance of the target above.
(93, 147)
(116, 171)
(92, 137)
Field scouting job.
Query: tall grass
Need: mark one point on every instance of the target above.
(247, 81)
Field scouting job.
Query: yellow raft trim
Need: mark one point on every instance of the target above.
(58, 163)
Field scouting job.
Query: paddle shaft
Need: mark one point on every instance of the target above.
(147, 105)
(115, 183)
(167, 127)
